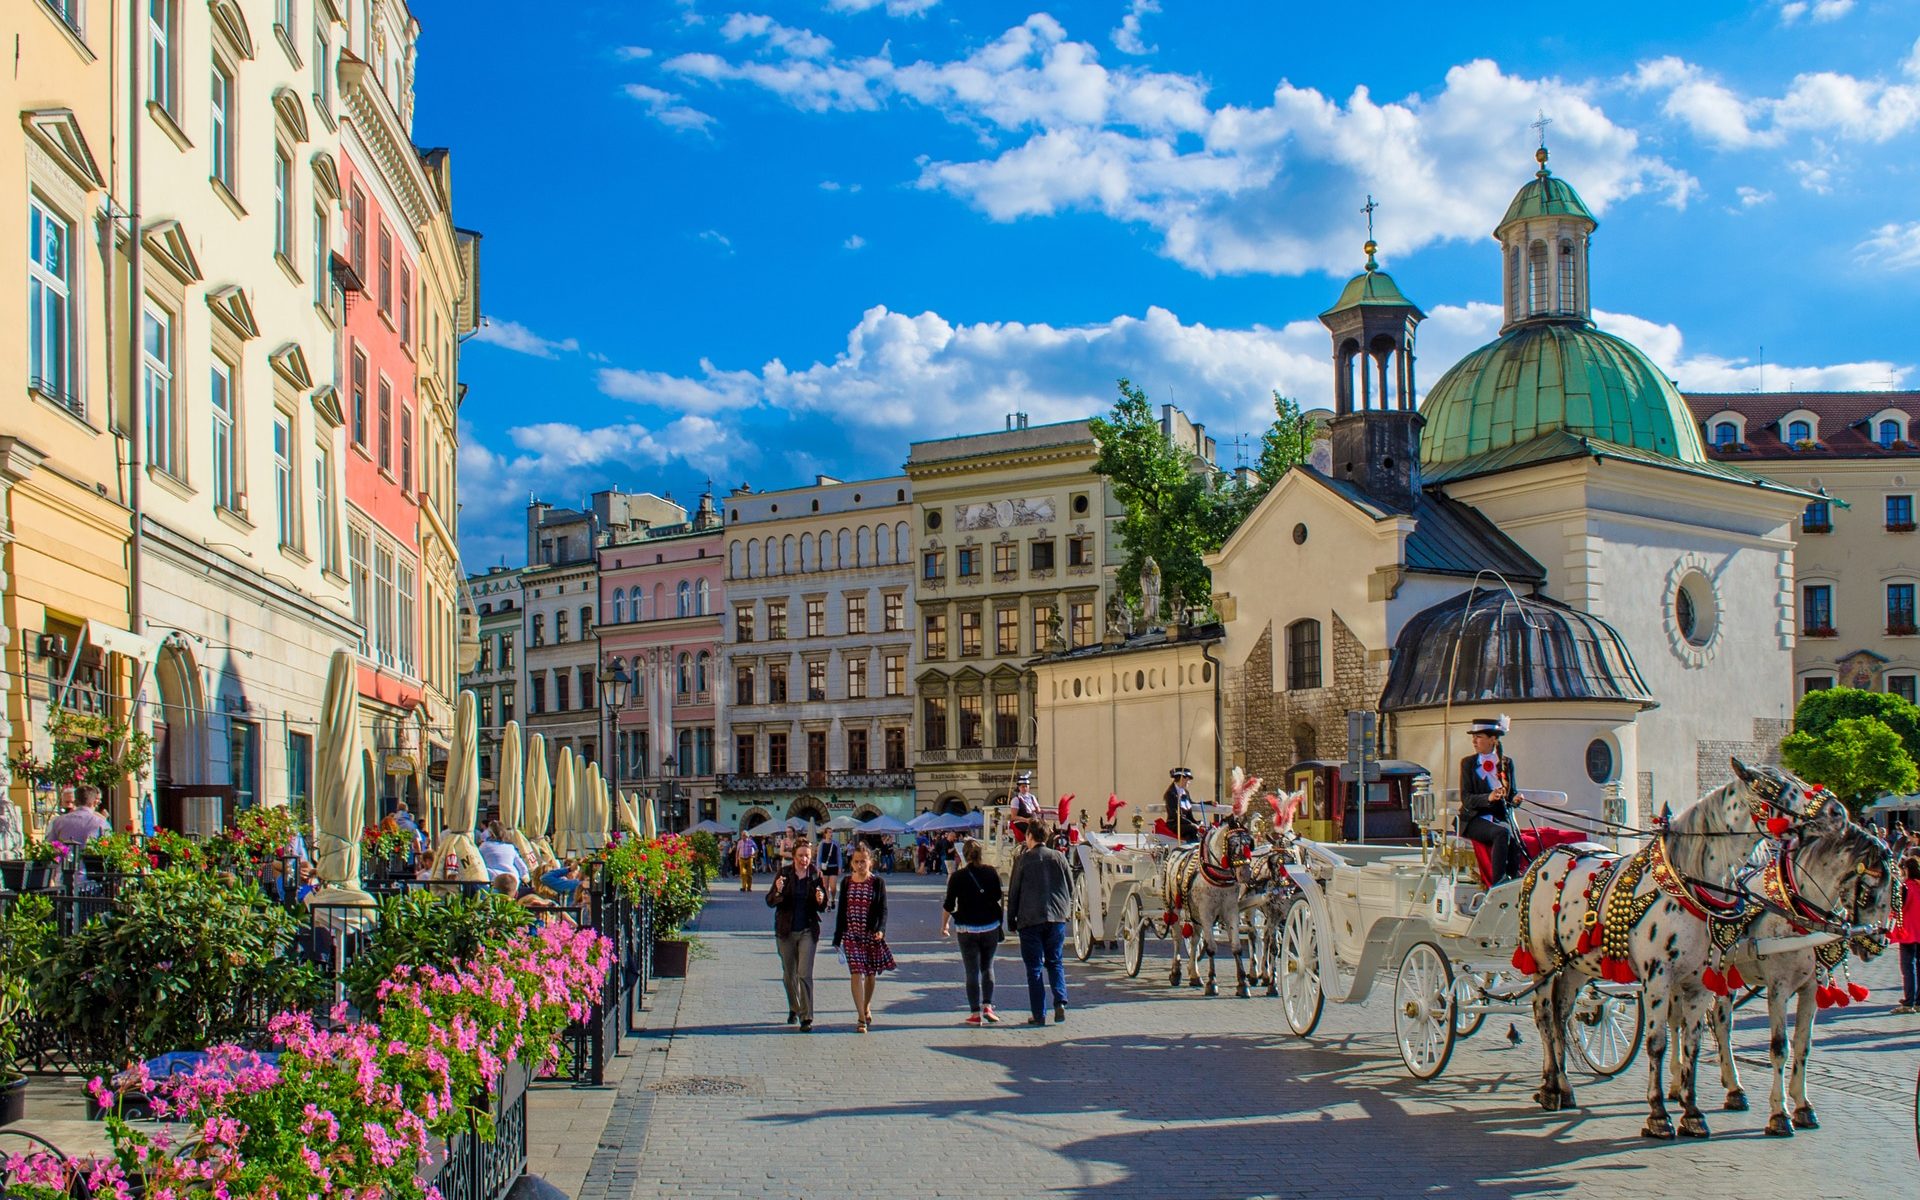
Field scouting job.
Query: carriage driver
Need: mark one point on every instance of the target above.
(1180, 816)
(1025, 805)
(1487, 797)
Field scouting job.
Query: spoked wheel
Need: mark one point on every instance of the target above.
(1301, 996)
(1606, 1029)
(1134, 928)
(1082, 921)
(1467, 992)
(1423, 1010)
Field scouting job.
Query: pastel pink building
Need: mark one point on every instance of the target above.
(660, 605)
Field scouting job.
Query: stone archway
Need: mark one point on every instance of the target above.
(866, 812)
(809, 808)
(952, 804)
(1306, 743)
(754, 817)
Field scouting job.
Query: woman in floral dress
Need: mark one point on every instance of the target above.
(860, 931)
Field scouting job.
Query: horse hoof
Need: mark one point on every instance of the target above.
(1693, 1125)
(1803, 1118)
(1779, 1126)
(1658, 1128)
(1736, 1102)
(1550, 1101)
(1566, 1098)
(1241, 992)
(1193, 983)
(1272, 990)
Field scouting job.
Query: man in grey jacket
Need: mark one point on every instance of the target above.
(1039, 901)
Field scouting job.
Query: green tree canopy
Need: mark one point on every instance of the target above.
(1819, 710)
(1859, 758)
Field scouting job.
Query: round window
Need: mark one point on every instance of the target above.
(1076, 687)
(1599, 761)
(1695, 608)
(1299, 535)
(933, 519)
(1080, 504)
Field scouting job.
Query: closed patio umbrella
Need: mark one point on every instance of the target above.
(598, 809)
(629, 820)
(463, 800)
(511, 792)
(650, 819)
(339, 788)
(538, 816)
(566, 795)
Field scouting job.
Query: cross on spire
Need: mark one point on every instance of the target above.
(1368, 208)
(1541, 126)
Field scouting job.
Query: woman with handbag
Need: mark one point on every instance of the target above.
(973, 914)
(860, 931)
(798, 896)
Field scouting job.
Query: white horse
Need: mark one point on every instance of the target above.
(1829, 893)
(1201, 887)
(1649, 922)
(1271, 892)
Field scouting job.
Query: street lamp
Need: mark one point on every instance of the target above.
(667, 765)
(616, 686)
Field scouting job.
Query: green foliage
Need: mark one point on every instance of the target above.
(26, 939)
(1819, 710)
(665, 868)
(1176, 514)
(422, 927)
(1858, 758)
(184, 959)
(13, 1016)
(706, 850)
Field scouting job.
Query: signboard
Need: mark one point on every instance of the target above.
(1363, 752)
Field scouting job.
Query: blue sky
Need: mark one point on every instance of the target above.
(753, 241)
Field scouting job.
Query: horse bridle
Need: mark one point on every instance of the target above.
(1236, 847)
(1835, 917)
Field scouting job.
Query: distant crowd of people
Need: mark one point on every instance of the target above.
(743, 856)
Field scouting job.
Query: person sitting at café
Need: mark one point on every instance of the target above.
(501, 856)
(82, 823)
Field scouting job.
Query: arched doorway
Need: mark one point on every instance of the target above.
(809, 808)
(180, 742)
(1306, 743)
(866, 812)
(953, 804)
(754, 816)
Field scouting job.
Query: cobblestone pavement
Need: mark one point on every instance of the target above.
(1151, 1092)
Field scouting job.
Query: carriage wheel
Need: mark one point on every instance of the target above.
(1466, 992)
(1423, 1010)
(1301, 996)
(1606, 1029)
(1134, 929)
(1082, 921)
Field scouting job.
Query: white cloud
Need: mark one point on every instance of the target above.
(670, 109)
(1822, 103)
(1818, 11)
(798, 43)
(1751, 196)
(1126, 38)
(1894, 246)
(895, 8)
(1713, 373)
(1270, 187)
(632, 53)
(714, 391)
(512, 335)
(834, 185)
(855, 242)
(713, 237)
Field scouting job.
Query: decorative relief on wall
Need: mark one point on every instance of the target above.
(1004, 514)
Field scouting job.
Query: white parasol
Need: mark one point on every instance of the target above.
(629, 820)
(512, 788)
(594, 828)
(565, 798)
(539, 804)
(339, 788)
(650, 819)
(456, 857)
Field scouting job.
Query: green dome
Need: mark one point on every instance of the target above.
(1368, 289)
(1546, 195)
(1543, 377)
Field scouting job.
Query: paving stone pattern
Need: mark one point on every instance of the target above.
(1151, 1092)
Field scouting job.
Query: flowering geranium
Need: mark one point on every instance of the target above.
(87, 751)
(667, 869)
(386, 840)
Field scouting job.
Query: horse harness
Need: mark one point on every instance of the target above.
(1235, 847)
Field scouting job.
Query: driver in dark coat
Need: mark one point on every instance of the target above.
(1180, 814)
(1487, 799)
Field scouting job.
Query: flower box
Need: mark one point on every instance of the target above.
(669, 959)
(1816, 527)
(23, 876)
(1901, 630)
(1900, 526)
(1820, 631)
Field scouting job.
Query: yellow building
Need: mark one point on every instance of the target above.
(63, 517)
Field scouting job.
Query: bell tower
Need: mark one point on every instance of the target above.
(1375, 431)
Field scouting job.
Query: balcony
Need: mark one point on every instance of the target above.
(1816, 527)
(831, 781)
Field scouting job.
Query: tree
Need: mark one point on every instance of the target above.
(1859, 758)
(1286, 444)
(1819, 711)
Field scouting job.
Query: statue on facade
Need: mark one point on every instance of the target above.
(1150, 593)
(1119, 616)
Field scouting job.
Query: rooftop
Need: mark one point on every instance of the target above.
(1844, 425)
(1000, 441)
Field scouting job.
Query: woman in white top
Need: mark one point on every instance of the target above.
(501, 856)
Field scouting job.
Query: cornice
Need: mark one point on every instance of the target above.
(379, 125)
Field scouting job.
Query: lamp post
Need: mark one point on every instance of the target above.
(616, 687)
(667, 765)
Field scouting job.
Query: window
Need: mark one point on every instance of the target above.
(969, 563)
(1818, 518)
(933, 565)
(485, 664)
(220, 398)
(1303, 655)
(1537, 294)
(587, 694)
(52, 364)
(537, 702)
(406, 448)
(506, 704)
(1004, 560)
(896, 674)
(282, 203)
(285, 504)
(383, 641)
(1006, 631)
(1726, 433)
(539, 629)
(1040, 555)
(856, 750)
(1080, 623)
(896, 749)
(743, 685)
(816, 749)
(936, 636)
(1006, 719)
(357, 232)
(486, 714)
(972, 722)
(743, 623)
(776, 620)
(386, 426)
(619, 606)
(1815, 683)
(385, 278)
(1080, 550)
(1043, 618)
(1888, 434)
(322, 279)
(857, 614)
(1568, 291)
(561, 685)
(743, 753)
(1798, 432)
(506, 651)
(160, 47)
(816, 618)
(404, 321)
(1900, 513)
(683, 599)
(969, 633)
(777, 753)
(299, 767)
(1816, 603)
(1901, 686)
(586, 621)
(243, 762)
(702, 662)
(357, 578)
(220, 144)
(1900, 608)
(896, 611)
(405, 620)
(776, 683)
(283, 15)
(323, 507)
(68, 11)
(156, 389)
(560, 626)
(856, 678)
(817, 680)
(357, 384)
(322, 70)
(933, 722)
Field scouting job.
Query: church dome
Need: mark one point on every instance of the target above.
(1542, 377)
(1546, 195)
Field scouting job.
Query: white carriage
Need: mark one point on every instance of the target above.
(1423, 912)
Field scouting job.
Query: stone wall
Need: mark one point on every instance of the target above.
(1712, 762)
(1261, 722)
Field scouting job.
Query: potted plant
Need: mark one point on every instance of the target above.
(37, 870)
(87, 750)
(385, 848)
(667, 871)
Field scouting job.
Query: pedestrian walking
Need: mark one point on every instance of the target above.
(1039, 901)
(744, 854)
(1906, 935)
(860, 931)
(798, 897)
(972, 914)
(830, 867)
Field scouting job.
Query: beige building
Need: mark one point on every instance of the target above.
(1856, 560)
(64, 516)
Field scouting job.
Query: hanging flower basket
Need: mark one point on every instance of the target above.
(88, 751)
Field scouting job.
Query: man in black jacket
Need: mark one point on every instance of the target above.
(798, 897)
(1486, 798)
(1039, 901)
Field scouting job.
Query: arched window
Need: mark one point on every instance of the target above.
(806, 552)
(703, 593)
(902, 543)
(684, 665)
(619, 606)
(1513, 282)
(1799, 431)
(1569, 289)
(766, 557)
(863, 548)
(846, 558)
(1889, 434)
(700, 666)
(1537, 294)
(885, 554)
(683, 599)
(1303, 655)
(733, 560)
(1725, 433)
(659, 601)
(789, 556)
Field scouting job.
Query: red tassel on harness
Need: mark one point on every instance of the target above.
(1618, 970)
(1823, 996)
(1186, 929)
(1714, 981)
(1735, 980)
(1858, 991)
(1523, 962)
(1778, 826)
